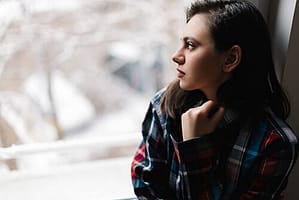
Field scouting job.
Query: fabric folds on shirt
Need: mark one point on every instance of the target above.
(234, 162)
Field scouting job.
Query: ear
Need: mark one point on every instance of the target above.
(232, 59)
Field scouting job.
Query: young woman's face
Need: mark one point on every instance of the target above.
(199, 65)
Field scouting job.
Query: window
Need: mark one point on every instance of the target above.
(76, 79)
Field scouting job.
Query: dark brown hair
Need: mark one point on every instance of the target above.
(253, 85)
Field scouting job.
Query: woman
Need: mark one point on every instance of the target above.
(218, 131)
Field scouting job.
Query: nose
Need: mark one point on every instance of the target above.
(178, 57)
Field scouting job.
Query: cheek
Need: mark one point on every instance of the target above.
(207, 69)
(202, 65)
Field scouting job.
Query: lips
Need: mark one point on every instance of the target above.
(180, 73)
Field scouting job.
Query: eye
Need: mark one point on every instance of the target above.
(189, 45)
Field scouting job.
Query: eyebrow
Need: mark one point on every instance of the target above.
(189, 38)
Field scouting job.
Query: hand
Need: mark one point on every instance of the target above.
(196, 122)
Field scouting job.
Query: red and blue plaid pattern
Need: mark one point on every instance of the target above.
(253, 164)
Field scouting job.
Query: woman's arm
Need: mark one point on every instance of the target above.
(275, 157)
(149, 168)
(197, 153)
(197, 160)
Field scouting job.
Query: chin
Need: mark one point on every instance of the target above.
(186, 87)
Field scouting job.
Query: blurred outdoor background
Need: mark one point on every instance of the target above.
(76, 77)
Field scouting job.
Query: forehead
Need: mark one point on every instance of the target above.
(198, 28)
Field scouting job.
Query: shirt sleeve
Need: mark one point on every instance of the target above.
(278, 157)
(200, 180)
(149, 169)
(197, 160)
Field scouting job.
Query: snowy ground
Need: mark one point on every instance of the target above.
(98, 180)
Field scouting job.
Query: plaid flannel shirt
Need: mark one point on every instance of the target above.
(256, 164)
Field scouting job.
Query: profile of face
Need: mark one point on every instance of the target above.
(199, 64)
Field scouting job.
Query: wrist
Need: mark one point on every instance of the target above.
(190, 137)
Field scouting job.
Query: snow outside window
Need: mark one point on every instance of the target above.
(76, 77)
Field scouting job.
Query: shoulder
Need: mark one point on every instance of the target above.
(281, 128)
(155, 107)
(275, 135)
(156, 100)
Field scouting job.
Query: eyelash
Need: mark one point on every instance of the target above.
(189, 45)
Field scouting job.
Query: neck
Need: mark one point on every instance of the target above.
(212, 96)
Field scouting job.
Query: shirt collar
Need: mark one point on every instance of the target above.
(229, 117)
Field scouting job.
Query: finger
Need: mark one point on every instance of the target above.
(212, 111)
(207, 106)
(218, 116)
(209, 109)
